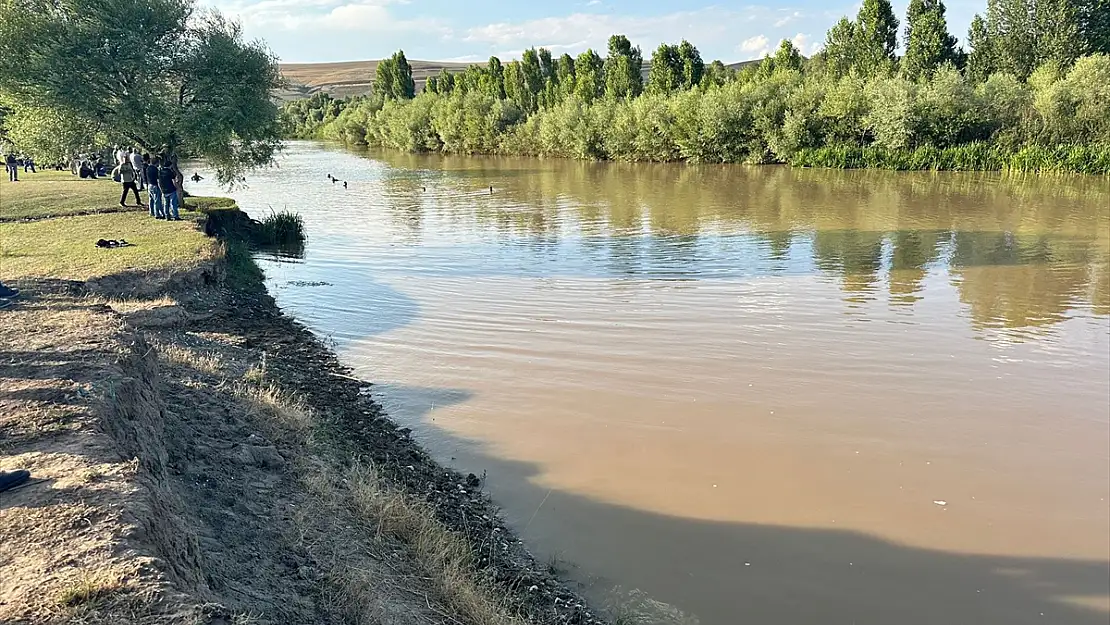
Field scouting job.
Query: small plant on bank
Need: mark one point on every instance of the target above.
(281, 228)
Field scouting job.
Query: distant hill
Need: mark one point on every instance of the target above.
(348, 78)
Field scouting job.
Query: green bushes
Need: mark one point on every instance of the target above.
(1057, 121)
(1084, 159)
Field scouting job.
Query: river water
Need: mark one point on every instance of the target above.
(720, 393)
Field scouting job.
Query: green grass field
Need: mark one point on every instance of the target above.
(53, 193)
(65, 247)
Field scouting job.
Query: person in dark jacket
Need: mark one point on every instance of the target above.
(156, 200)
(170, 197)
(13, 168)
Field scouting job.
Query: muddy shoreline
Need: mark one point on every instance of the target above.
(300, 363)
(199, 456)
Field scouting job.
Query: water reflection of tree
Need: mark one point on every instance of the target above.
(855, 256)
(1016, 279)
(913, 251)
(1019, 281)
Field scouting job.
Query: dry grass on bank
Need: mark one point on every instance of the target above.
(444, 560)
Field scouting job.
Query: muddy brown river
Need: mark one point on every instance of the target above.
(723, 394)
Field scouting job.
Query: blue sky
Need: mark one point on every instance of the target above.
(467, 30)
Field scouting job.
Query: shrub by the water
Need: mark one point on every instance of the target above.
(1083, 159)
(281, 228)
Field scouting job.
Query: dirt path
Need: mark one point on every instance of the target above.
(199, 457)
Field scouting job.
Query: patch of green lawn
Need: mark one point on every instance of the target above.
(66, 247)
(51, 193)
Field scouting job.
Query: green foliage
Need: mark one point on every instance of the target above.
(841, 48)
(393, 79)
(787, 57)
(716, 75)
(589, 78)
(281, 228)
(692, 66)
(665, 75)
(171, 78)
(623, 66)
(981, 62)
(1094, 25)
(840, 109)
(49, 135)
(1084, 159)
(928, 43)
(876, 37)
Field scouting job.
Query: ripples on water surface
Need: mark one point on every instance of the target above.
(740, 390)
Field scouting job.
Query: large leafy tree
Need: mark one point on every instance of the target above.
(981, 60)
(493, 80)
(623, 66)
(532, 69)
(1022, 35)
(928, 42)
(155, 73)
(565, 75)
(877, 37)
(665, 75)
(841, 47)
(589, 79)
(403, 84)
(1094, 25)
(693, 67)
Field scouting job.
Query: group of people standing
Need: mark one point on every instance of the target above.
(159, 175)
(12, 163)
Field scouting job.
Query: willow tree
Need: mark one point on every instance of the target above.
(156, 73)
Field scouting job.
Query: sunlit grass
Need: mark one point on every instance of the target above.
(66, 247)
(50, 193)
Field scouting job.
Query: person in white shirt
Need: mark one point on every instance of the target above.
(121, 155)
(137, 163)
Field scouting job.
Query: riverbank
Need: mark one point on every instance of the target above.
(197, 456)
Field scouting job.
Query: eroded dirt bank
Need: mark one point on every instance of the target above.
(199, 457)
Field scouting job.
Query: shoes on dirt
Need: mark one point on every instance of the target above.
(11, 479)
(111, 243)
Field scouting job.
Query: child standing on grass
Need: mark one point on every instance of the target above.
(125, 173)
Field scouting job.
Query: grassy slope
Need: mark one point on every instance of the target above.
(49, 193)
(66, 247)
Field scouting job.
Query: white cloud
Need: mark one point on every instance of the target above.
(804, 45)
(322, 15)
(712, 28)
(757, 46)
(786, 19)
